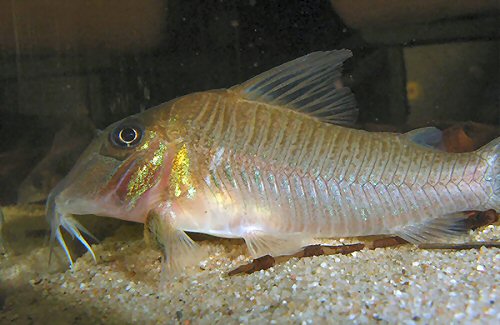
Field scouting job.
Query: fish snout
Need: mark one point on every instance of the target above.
(57, 214)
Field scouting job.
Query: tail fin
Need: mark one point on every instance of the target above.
(491, 152)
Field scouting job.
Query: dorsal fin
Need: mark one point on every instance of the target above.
(310, 84)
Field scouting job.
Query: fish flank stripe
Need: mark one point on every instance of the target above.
(461, 189)
(397, 199)
(444, 194)
(408, 200)
(481, 170)
(436, 198)
(250, 130)
(285, 184)
(429, 170)
(362, 217)
(342, 156)
(391, 166)
(229, 175)
(376, 157)
(334, 201)
(348, 197)
(403, 166)
(308, 206)
(278, 138)
(325, 162)
(445, 176)
(325, 197)
(278, 204)
(220, 127)
(396, 169)
(411, 178)
(302, 160)
(365, 149)
(381, 163)
(387, 201)
(241, 191)
(464, 168)
(317, 212)
(471, 168)
(226, 188)
(266, 118)
(452, 172)
(231, 134)
(291, 142)
(203, 110)
(436, 170)
(316, 148)
(350, 157)
(207, 130)
(361, 174)
(474, 197)
(373, 201)
(300, 195)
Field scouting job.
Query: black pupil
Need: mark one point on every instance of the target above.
(128, 135)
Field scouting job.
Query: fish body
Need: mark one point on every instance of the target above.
(279, 171)
(271, 161)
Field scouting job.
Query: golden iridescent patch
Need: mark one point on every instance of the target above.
(144, 177)
(180, 176)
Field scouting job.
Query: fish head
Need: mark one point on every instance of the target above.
(115, 175)
(120, 174)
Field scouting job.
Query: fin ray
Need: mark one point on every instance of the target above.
(435, 230)
(310, 84)
(261, 243)
(178, 249)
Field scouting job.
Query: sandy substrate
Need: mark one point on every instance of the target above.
(402, 284)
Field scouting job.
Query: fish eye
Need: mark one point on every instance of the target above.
(126, 136)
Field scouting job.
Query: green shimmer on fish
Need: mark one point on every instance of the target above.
(273, 161)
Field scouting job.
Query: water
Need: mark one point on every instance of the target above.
(68, 69)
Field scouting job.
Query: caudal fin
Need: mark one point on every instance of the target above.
(491, 152)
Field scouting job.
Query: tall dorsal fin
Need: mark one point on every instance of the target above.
(310, 84)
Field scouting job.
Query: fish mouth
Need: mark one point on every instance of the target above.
(76, 195)
(97, 185)
(58, 219)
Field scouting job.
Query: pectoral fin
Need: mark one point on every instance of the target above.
(435, 230)
(178, 249)
(261, 243)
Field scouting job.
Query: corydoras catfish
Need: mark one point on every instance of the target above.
(272, 161)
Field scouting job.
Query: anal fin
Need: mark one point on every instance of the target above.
(435, 230)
